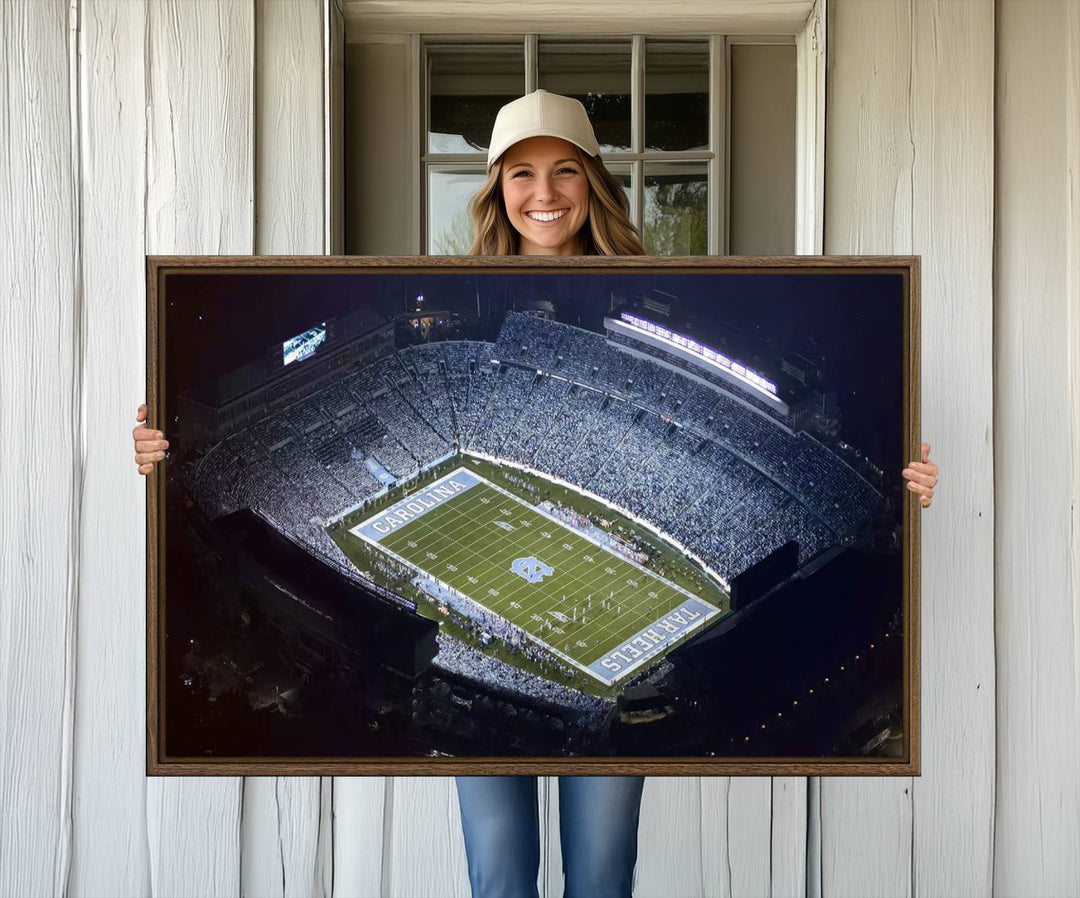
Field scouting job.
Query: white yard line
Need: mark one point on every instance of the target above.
(470, 522)
(588, 537)
(443, 541)
(626, 513)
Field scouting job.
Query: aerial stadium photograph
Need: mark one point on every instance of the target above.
(480, 511)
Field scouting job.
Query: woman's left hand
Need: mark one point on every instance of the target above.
(922, 477)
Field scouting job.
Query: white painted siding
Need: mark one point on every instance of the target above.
(909, 149)
(289, 121)
(868, 210)
(362, 806)
(284, 850)
(134, 127)
(40, 321)
(1036, 840)
(200, 198)
(423, 848)
(109, 825)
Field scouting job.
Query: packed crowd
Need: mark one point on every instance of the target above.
(457, 657)
(727, 482)
(723, 480)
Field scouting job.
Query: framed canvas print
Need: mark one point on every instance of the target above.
(590, 515)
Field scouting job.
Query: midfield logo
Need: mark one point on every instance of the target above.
(531, 569)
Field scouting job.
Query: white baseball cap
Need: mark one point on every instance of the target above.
(541, 114)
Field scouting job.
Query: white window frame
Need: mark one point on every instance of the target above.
(809, 42)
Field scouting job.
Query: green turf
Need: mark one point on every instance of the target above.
(666, 559)
(459, 543)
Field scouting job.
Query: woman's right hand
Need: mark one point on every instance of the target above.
(150, 445)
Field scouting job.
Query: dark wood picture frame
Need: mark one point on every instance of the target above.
(899, 279)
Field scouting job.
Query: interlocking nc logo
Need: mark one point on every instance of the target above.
(531, 569)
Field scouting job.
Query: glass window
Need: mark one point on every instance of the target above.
(624, 174)
(676, 210)
(597, 74)
(450, 188)
(651, 104)
(467, 84)
(676, 95)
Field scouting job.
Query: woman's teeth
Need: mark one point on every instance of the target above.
(547, 216)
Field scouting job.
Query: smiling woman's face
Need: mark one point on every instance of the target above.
(546, 195)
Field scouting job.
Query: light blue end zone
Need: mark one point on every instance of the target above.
(416, 505)
(652, 640)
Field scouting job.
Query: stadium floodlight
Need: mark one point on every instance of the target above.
(706, 354)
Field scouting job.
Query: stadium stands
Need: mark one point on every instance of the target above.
(535, 421)
(457, 657)
(726, 480)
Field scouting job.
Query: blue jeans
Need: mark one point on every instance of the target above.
(598, 821)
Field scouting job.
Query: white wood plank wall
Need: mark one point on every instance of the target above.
(201, 127)
(286, 832)
(1037, 450)
(41, 453)
(199, 199)
(109, 824)
(909, 169)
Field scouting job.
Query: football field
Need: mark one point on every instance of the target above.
(594, 608)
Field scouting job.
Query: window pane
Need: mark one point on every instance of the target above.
(676, 95)
(676, 209)
(597, 74)
(449, 191)
(466, 86)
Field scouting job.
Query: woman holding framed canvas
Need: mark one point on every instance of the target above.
(548, 193)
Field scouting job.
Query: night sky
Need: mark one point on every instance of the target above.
(849, 324)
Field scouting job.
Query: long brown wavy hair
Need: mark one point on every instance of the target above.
(607, 231)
